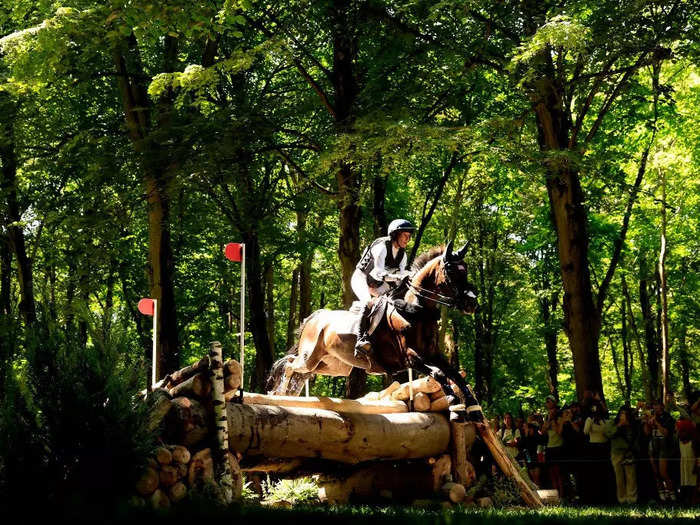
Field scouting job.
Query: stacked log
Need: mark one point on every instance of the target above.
(167, 478)
(193, 380)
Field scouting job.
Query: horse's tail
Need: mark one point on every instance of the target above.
(275, 376)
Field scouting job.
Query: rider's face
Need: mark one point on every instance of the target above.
(403, 238)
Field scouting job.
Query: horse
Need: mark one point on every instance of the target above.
(406, 336)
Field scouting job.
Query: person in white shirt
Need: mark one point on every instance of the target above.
(382, 265)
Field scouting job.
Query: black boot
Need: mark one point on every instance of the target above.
(363, 346)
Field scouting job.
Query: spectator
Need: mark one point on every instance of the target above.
(529, 445)
(687, 438)
(572, 450)
(622, 433)
(509, 435)
(659, 426)
(552, 428)
(593, 489)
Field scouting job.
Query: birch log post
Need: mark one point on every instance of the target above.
(216, 377)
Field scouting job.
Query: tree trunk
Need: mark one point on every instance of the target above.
(292, 320)
(270, 304)
(624, 336)
(652, 356)
(665, 362)
(684, 359)
(157, 174)
(548, 306)
(15, 234)
(264, 355)
(378, 199)
(5, 276)
(566, 200)
(304, 267)
(635, 335)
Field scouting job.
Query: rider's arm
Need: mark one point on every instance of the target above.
(379, 256)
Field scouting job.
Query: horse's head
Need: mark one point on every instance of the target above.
(441, 278)
(454, 279)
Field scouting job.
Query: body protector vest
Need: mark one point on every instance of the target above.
(391, 263)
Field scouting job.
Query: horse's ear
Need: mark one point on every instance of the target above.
(462, 251)
(448, 251)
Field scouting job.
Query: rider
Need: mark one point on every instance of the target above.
(383, 263)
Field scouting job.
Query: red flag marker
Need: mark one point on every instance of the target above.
(146, 306)
(234, 251)
(150, 307)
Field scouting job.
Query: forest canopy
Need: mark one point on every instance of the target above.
(559, 140)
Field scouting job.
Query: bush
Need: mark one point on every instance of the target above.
(71, 431)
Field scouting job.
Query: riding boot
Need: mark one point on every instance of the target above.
(363, 345)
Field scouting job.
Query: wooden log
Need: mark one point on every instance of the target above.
(177, 492)
(345, 406)
(181, 375)
(201, 468)
(182, 469)
(232, 375)
(455, 492)
(441, 404)
(216, 379)
(187, 423)
(386, 393)
(180, 453)
(160, 500)
(404, 481)
(504, 461)
(198, 386)
(286, 432)
(159, 404)
(164, 456)
(370, 396)
(148, 482)
(437, 395)
(276, 465)
(421, 402)
(426, 384)
(168, 476)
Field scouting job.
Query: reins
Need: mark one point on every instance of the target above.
(430, 295)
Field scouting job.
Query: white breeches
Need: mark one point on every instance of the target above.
(362, 290)
(360, 286)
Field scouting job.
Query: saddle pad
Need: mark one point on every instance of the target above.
(348, 324)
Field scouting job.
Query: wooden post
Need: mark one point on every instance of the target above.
(216, 375)
(503, 460)
(156, 368)
(463, 435)
(242, 321)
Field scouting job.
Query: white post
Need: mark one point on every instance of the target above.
(242, 325)
(306, 386)
(154, 375)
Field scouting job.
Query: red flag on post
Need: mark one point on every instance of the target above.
(234, 251)
(146, 306)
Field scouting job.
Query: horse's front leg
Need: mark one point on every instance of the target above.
(440, 370)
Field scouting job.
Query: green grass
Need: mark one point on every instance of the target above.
(370, 515)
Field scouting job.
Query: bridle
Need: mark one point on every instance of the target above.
(453, 301)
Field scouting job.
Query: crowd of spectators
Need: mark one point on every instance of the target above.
(592, 456)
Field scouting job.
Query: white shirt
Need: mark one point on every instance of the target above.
(595, 431)
(379, 256)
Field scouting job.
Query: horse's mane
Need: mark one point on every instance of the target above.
(426, 257)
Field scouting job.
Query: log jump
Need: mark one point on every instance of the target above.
(369, 447)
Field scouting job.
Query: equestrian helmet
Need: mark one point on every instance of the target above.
(400, 225)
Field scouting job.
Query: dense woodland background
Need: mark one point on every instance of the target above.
(561, 140)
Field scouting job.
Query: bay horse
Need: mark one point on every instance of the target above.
(406, 336)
